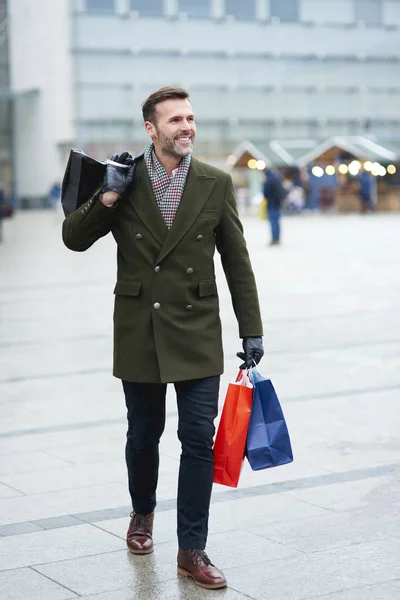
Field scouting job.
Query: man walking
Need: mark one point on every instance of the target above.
(167, 219)
(275, 193)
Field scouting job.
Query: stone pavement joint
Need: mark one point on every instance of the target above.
(225, 496)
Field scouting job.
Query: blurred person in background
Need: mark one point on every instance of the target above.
(306, 185)
(167, 218)
(275, 193)
(54, 196)
(367, 191)
(294, 201)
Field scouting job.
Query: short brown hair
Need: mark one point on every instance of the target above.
(164, 93)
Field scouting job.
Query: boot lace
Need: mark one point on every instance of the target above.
(200, 558)
(142, 524)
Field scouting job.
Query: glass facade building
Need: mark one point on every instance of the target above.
(256, 70)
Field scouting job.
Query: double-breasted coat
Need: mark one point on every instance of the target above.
(166, 315)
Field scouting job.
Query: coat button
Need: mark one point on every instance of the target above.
(157, 269)
(189, 307)
(189, 271)
(139, 236)
(199, 238)
(157, 305)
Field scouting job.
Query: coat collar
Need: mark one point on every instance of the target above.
(196, 193)
(145, 204)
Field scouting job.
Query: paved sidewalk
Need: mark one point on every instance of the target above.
(326, 527)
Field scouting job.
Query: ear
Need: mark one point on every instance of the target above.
(150, 129)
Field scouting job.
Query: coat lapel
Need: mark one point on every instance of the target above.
(196, 193)
(145, 204)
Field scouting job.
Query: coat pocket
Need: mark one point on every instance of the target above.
(127, 288)
(207, 288)
(208, 214)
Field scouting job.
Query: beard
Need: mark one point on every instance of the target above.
(172, 147)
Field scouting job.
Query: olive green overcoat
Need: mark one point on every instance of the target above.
(166, 315)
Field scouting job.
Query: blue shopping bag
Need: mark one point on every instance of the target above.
(268, 443)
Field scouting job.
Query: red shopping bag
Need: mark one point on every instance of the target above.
(231, 436)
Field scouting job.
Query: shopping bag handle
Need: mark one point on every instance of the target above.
(243, 378)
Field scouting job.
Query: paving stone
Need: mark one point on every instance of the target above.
(347, 495)
(19, 528)
(57, 522)
(98, 515)
(68, 477)
(25, 463)
(247, 512)
(8, 492)
(322, 573)
(20, 584)
(293, 578)
(65, 502)
(381, 591)
(111, 571)
(334, 530)
(55, 545)
(373, 561)
(180, 587)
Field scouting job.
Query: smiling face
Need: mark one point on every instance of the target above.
(174, 130)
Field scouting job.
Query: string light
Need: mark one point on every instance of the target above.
(317, 171)
(330, 170)
(354, 167)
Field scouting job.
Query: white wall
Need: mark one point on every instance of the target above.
(40, 60)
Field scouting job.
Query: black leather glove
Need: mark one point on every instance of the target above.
(117, 179)
(253, 352)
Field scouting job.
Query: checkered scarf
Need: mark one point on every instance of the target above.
(167, 190)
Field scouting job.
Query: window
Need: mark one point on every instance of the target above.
(148, 8)
(100, 5)
(240, 9)
(369, 11)
(195, 8)
(284, 10)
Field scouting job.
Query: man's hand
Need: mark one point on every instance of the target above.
(117, 179)
(109, 199)
(253, 352)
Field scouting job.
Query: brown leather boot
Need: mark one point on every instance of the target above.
(139, 538)
(196, 564)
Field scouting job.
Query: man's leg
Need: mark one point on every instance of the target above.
(197, 407)
(278, 224)
(274, 223)
(145, 404)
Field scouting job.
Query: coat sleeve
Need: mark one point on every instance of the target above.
(238, 271)
(91, 221)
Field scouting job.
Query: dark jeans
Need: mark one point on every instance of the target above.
(274, 216)
(197, 408)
